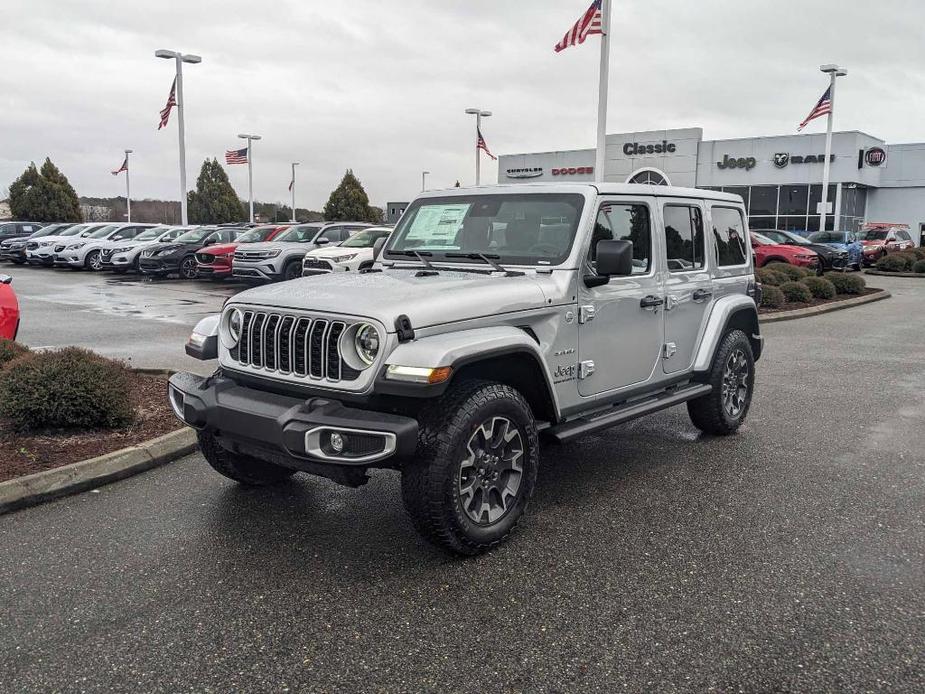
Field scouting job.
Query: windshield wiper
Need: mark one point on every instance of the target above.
(420, 255)
(490, 259)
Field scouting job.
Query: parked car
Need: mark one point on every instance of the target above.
(215, 261)
(281, 259)
(830, 258)
(14, 249)
(501, 314)
(85, 252)
(42, 251)
(354, 254)
(122, 256)
(879, 238)
(9, 309)
(768, 251)
(179, 256)
(18, 230)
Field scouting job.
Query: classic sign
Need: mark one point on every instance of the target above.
(632, 149)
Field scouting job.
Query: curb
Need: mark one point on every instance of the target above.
(89, 474)
(880, 273)
(824, 308)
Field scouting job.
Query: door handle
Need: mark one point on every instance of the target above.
(651, 301)
(702, 294)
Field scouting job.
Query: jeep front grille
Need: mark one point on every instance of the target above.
(296, 345)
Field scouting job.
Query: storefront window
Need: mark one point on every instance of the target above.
(763, 200)
(797, 224)
(793, 200)
(812, 223)
(738, 190)
(815, 197)
(756, 223)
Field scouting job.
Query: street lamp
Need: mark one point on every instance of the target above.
(834, 72)
(292, 188)
(250, 172)
(128, 189)
(180, 58)
(479, 115)
(424, 180)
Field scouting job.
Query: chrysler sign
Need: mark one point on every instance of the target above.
(531, 172)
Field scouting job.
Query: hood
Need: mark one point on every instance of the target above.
(430, 300)
(821, 248)
(334, 251)
(221, 248)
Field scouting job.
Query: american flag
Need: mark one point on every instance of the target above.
(589, 23)
(480, 144)
(823, 107)
(171, 102)
(236, 156)
(122, 168)
(291, 183)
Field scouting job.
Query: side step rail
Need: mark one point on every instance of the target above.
(626, 412)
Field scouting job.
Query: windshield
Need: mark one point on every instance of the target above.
(520, 229)
(366, 238)
(102, 233)
(150, 234)
(51, 229)
(256, 235)
(764, 240)
(74, 230)
(874, 235)
(824, 237)
(299, 234)
(194, 235)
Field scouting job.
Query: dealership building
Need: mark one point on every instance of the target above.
(779, 177)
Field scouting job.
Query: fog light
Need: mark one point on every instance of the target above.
(177, 401)
(337, 442)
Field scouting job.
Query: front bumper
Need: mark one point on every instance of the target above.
(288, 430)
(214, 270)
(17, 255)
(255, 271)
(159, 266)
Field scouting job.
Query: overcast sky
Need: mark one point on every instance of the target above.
(380, 87)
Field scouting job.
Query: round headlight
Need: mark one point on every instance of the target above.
(234, 321)
(367, 343)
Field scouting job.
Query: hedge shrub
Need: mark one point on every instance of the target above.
(792, 271)
(846, 283)
(896, 262)
(796, 292)
(919, 266)
(820, 287)
(70, 388)
(770, 277)
(772, 296)
(10, 350)
(918, 252)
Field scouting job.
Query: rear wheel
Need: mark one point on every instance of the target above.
(188, 268)
(240, 468)
(732, 375)
(475, 467)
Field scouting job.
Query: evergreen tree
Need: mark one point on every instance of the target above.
(214, 200)
(349, 203)
(44, 196)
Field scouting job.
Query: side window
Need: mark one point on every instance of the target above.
(729, 236)
(684, 238)
(332, 234)
(624, 223)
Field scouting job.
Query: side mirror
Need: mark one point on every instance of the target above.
(322, 241)
(614, 259)
(6, 279)
(378, 246)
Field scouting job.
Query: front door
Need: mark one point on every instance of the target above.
(620, 323)
(688, 287)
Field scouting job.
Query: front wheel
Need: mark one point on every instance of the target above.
(188, 268)
(93, 261)
(475, 467)
(722, 411)
(293, 270)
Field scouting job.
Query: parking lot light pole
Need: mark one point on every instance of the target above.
(479, 115)
(250, 172)
(834, 72)
(128, 188)
(180, 58)
(424, 180)
(292, 189)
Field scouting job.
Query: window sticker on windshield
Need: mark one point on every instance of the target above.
(437, 224)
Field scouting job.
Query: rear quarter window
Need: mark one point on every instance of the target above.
(729, 236)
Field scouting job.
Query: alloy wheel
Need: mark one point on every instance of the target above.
(94, 261)
(490, 476)
(188, 268)
(735, 383)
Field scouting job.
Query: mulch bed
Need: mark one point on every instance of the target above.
(24, 454)
(792, 306)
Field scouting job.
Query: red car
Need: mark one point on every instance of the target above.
(880, 238)
(9, 309)
(768, 251)
(215, 261)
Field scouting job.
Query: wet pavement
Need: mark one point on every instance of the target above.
(790, 557)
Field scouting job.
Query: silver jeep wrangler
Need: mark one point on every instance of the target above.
(494, 318)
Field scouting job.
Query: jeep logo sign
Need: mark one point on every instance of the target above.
(525, 173)
(728, 162)
(875, 156)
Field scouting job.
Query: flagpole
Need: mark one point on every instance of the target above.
(250, 181)
(294, 164)
(834, 72)
(128, 189)
(600, 158)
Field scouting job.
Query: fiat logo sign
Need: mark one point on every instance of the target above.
(573, 170)
(875, 156)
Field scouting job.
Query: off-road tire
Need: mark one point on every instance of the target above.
(708, 412)
(429, 481)
(240, 468)
(292, 270)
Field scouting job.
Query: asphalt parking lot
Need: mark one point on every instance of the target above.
(788, 558)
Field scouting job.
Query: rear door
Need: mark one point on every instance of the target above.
(688, 285)
(619, 336)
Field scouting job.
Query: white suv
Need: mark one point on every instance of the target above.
(85, 253)
(122, 256)
(281, 258)
(42, 251)
(355, 254)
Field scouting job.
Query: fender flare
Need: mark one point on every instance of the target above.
(723, 311)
